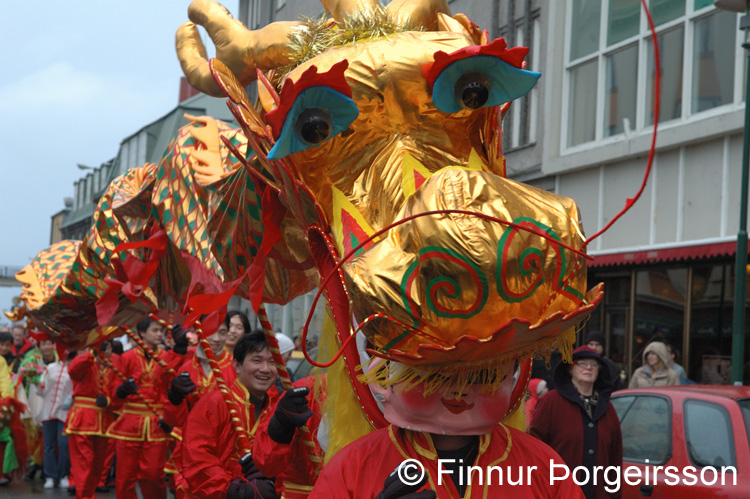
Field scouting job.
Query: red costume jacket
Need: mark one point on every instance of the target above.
(177, 415)
(90, 378)
(204, 383)
(360, 469)
(136, 421)
(292, 464)
(211, 452)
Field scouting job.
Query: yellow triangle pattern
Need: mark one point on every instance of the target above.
(342, 203)
(409, 165)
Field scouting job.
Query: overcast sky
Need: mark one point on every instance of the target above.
(76, 77)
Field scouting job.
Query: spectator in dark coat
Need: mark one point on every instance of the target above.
(577, 420)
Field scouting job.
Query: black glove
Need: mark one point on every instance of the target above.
(394, 488)
(291, 412)
(166, 427)
(180, 338)
(256, 489)
(181, 387)
(127, 388)
(249, 470)
(102, 401)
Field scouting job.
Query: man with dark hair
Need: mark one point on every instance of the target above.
(142, 446)
(211, 458)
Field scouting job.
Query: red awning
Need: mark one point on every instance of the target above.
(664, 255)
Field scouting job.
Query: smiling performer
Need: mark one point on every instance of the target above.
(210, 455)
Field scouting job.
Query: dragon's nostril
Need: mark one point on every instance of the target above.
(314, 125)
(472, 90)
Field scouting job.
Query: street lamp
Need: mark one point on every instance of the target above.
(85, 167)
(740, 265)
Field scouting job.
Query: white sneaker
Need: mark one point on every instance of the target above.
(49, 483)
(64, 483)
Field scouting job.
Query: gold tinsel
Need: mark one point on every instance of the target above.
(316, 36)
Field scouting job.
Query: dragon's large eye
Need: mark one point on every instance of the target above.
(317, 115)
(478, 76)
(312, 110)
(480, 81)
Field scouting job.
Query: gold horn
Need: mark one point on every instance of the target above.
(419, 12)
(240, 49)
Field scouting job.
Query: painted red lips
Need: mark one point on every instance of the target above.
(456, 406)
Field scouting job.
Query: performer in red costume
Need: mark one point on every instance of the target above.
(196, 379)
(459, 426)
(279, 449)
(89, 418)
(141, 445)
(211, 456)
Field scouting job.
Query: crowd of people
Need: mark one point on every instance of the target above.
(149, 413)
(153, 413)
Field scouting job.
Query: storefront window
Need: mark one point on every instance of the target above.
(660, 300)
(711, 324)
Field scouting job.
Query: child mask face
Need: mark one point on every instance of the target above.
(469, 411)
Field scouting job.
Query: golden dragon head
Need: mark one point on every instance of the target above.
(390, 119)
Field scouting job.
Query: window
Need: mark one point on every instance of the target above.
(708, 434)
(519, 128)
(646, 424)
(660, 301)
(611, 70)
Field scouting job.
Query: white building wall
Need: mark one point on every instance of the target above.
(693, 192)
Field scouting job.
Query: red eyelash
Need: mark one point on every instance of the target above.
(333, 79)
(497, 48)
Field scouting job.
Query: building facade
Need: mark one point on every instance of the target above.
(668, 264)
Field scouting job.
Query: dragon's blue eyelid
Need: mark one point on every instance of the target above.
(506, 82)
(342, 110)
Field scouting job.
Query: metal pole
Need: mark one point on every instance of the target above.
(740, 266)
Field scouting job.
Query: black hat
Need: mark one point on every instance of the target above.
(584, 352)
(597, 336)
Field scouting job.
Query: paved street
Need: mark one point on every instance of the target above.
(26, 490)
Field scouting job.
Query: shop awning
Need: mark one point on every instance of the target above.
(664, 254)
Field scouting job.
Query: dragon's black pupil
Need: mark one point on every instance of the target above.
(475, 95)
(472, 90)
(314, 125)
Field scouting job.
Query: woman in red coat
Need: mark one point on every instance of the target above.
(578, 421)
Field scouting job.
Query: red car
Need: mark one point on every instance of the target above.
(688, 441)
